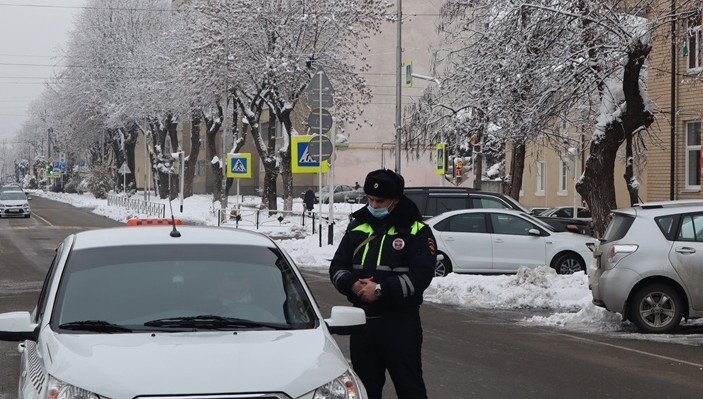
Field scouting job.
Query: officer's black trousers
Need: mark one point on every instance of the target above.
(392, 342)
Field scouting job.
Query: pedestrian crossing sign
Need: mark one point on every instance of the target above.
(239, 165)
(301, 160)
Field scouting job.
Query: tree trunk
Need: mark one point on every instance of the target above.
(478, 163)
(517, 166)
(166, 182)
(629, 175)
(239, 142)
(286, 167)
(271, 168)
(213, 127)
(598, 184)
(192, 160)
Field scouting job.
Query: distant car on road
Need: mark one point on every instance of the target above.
(503, 240)
(134, 313)
(648, 265)
(11, 187)
(14, 204)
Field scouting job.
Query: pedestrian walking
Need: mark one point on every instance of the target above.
(384, 263)
(309, 199)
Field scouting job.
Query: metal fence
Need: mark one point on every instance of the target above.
(154, 209)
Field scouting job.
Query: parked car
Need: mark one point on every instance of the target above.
(503, 240)
(358, 196)
(537, 211)
(341, 192)
(561, 219)
(568, 212)
(134, 312)
(648, 265)
(433, 201)
(14, 203)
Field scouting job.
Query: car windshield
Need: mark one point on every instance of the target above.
(12, 196)
(183, 286)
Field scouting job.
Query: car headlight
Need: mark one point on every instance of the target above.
(58, 389)
(346, 386)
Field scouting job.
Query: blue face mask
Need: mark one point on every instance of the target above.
(378, 213)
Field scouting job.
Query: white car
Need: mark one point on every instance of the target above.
(135, 312)
(14, 203)
(503, 240)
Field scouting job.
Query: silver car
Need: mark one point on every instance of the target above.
(487, 240)
(14, 204)
(648, 265)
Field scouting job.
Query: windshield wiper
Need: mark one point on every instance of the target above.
(94, 325)
(213, 322)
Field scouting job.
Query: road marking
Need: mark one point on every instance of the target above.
(45, 221)
(672, 359)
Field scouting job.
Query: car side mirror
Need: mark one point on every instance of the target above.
(18, 326)
(534, 232)
(346, 320)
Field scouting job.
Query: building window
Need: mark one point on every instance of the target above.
(563, 178)
(540, 178)
(693, 43)
(693, 154)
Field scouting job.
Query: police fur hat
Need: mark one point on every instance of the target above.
(384, 183)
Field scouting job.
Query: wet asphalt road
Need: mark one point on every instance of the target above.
(467, 353)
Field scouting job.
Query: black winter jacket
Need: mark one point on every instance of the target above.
(401, 257)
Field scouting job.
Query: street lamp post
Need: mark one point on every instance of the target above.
(398, 92)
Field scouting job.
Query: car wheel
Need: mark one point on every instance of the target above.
(656, 308)
(569, 264)
(443, 266)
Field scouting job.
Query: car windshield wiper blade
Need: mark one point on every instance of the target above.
(94, 325)
(213, 322)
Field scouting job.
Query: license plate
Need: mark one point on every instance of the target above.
(15, 210)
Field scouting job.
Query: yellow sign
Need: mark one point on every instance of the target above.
(301, 160)
(441, 161)
(239, 166)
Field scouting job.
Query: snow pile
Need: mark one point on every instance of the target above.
(589, 318)
(529, 288)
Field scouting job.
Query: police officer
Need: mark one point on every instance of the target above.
(383, 264)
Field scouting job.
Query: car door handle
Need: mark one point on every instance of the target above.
(498, 240)
(685, 250)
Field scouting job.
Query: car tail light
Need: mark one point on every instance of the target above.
(572, 228)
(619, 251)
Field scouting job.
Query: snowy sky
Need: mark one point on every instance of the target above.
(31, 32)
(547, 299)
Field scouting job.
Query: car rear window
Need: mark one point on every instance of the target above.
(618, 227)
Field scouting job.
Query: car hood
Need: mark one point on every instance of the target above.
(128, 365)
(13, 202)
